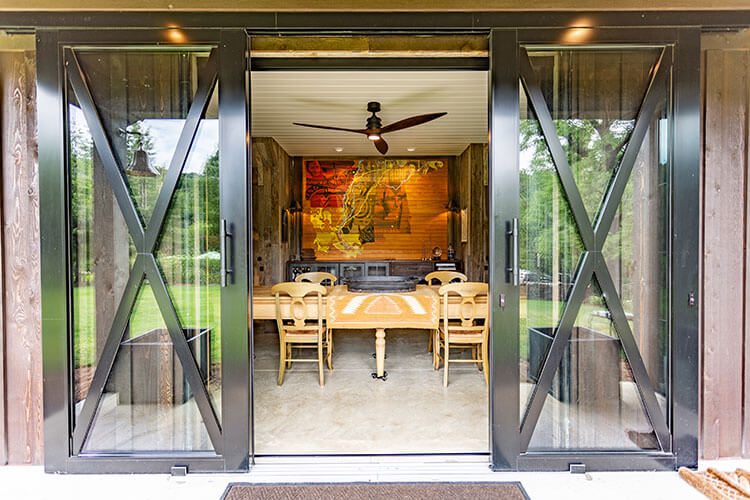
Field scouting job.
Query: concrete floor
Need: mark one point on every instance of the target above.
(353, 413)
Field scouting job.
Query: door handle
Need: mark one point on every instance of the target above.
(224, 237)
(511, 270)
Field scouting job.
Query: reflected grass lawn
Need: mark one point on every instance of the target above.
(200, 307)
(197, 307)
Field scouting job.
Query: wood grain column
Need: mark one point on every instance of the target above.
(724, 177)
(21, 267)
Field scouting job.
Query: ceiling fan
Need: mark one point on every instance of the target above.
(375, 128)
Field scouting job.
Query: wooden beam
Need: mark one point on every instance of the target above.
(378, 46)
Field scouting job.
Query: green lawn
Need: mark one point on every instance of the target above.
(199, 307)
(538, 313)
(196, 307)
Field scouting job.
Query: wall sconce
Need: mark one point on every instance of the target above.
(294, 208)
(453, 206)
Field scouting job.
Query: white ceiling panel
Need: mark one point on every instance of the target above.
(339, 98)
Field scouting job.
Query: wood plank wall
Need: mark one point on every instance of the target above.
(468, 188)
(276, 180)
(21, 440)
(725, 429)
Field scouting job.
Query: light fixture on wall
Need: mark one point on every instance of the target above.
(289, 223)
(453, 206)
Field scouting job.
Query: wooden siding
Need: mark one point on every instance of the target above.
(23, 416)
(468, 188)
(275, 179)
(725, 429)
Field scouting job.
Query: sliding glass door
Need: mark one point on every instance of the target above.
(588, 243)
(155, 281)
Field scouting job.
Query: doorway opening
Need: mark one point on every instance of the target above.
(379, 213)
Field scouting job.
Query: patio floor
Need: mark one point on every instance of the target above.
(29, 482)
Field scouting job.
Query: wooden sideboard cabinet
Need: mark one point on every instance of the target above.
(346, 269)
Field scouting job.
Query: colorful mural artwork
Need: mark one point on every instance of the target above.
(354, 203)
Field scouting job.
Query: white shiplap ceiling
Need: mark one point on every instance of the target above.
(339, 98)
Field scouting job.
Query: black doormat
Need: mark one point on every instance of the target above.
(376, 491)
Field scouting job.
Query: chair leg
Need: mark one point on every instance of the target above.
(329, 357)
(430, 344)
(320, 363)
(446, 354)
(289, 355)
(436, 349)
(485, 364)
(282, 361)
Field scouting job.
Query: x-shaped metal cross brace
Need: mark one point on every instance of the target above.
(592, 263)
(145, 241)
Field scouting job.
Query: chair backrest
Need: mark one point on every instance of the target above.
(445, 277)
(298, 308)
(316, 277)
(470, 310)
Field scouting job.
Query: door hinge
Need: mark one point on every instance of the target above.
(691, 299)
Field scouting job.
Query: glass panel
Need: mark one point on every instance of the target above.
(594, 96)
(147, 403)
(101, 253)
(189, 249)
(549, 248)
(637, 252)
(143, 98)
(594, 403)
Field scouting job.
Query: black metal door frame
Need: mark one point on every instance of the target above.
(511, 68)
(505, 72)
(226, 68)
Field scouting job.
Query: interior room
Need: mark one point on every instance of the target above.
(378, 177)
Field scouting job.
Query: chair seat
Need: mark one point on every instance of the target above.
(465, 339)
(464, 335)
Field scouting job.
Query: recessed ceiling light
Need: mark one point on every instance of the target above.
(411, 150)
(339, 149)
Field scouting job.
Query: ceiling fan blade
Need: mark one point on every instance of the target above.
(381, 146)
(412, 121)
(326, 127)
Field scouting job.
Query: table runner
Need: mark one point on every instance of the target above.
(418, 309)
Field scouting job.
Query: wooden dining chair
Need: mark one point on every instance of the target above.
(319, 277)
(445, 277)
(322, 278)
(303, 327)
(471, 331)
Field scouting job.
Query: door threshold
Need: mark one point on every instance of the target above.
(395, 458)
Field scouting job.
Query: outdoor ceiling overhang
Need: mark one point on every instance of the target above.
(383, 5)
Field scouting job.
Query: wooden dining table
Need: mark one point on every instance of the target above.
(378, 311)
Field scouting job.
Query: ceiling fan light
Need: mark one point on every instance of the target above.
(374, 137)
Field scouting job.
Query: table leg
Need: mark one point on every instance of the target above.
(380, 351)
